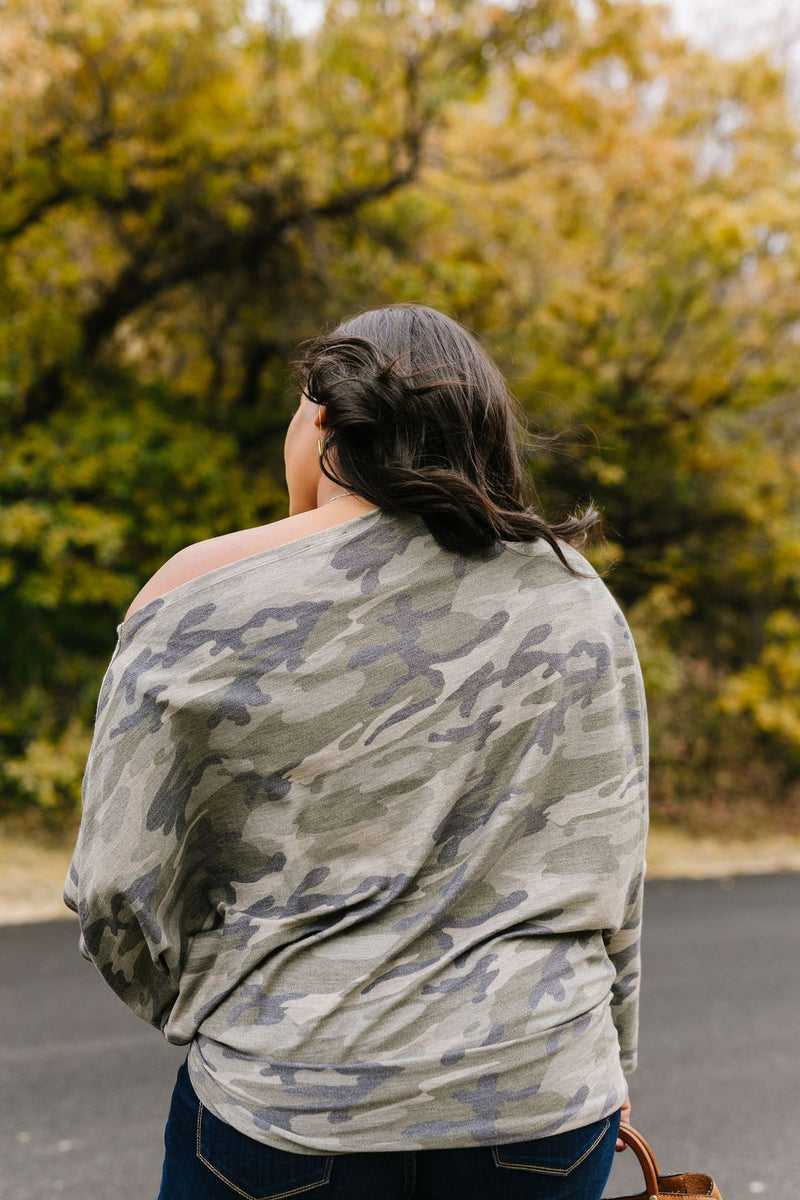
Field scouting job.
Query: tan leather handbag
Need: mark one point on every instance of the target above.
(687, 1183)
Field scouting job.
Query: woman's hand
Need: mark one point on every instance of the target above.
(625, 1119)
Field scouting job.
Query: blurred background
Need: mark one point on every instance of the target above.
(606, 191)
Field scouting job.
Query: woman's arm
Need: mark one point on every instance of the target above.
(624, 950)
(138, 882)
(119, 929)
(623, 944)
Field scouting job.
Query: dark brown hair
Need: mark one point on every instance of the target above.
(422, 421)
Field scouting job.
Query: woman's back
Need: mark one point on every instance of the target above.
(382, 855)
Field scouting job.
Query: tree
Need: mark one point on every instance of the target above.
(189, 193)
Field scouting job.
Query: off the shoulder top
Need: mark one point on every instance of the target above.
(364, 825)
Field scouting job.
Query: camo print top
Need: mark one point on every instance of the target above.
(364, 823)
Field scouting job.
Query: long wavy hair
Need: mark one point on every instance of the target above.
(422, 421)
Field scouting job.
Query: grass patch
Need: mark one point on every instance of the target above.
(674, 853)
(33, 867)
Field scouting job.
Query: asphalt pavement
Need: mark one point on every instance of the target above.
(85, 1085)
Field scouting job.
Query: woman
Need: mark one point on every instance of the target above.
(365, 812)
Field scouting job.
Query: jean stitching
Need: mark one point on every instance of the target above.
(305, 1187)
(551, 1170)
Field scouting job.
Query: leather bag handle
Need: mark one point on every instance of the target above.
(647, 1160)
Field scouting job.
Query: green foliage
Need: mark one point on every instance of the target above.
(188, 193)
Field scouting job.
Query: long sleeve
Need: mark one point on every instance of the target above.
(135, 883)
(623, 945)
(624, 951)
(119, 934)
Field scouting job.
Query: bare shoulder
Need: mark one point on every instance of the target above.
(195, 560)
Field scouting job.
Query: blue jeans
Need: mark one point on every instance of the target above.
(206, 1159)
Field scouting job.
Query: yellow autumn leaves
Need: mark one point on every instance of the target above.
(188, 192)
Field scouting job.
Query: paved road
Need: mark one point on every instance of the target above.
(86, 1085)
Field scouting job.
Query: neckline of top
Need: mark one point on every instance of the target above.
(238, 566)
